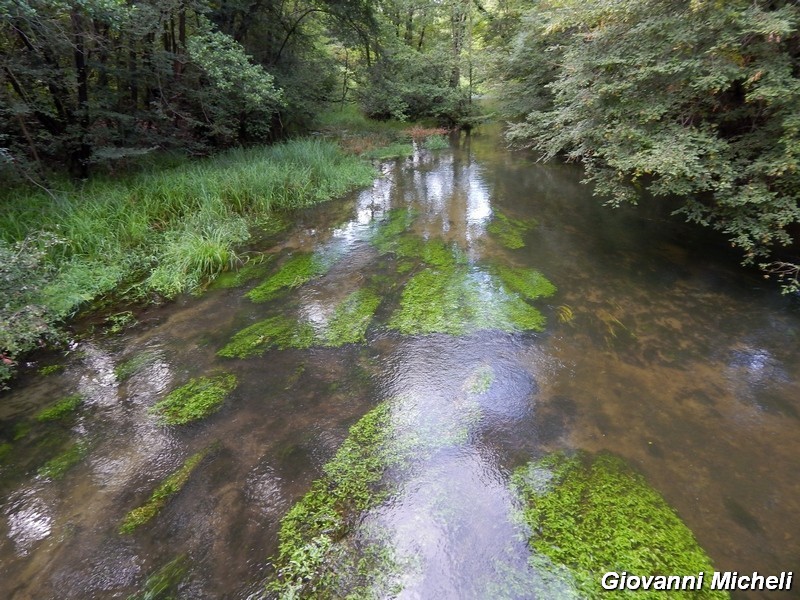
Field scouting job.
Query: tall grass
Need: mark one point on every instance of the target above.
(168, 230)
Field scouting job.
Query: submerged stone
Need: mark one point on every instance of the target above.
(594, 514)
(195, 400)
(510, 232)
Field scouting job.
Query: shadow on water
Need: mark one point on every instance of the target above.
(656, 348)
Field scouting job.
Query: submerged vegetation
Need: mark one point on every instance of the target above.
(311, 561)
(61, 409)
(275, 332)
(510, 231)
(194, 400)
(163, 583)
(350, 319)
(57, 466)
(161, 495)
(594, 514)
(127, 368)
(294, 272)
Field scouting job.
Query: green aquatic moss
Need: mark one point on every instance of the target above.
(133, 365)
(457, 300)
(528, 283)
(276, 332)
(305, 565)
(5, 450)
(61, 409)
(294, 272)
(351, 319)
(163, 584)
(21, 429)
(480, 381)
(593, 514)
(195, 400)
(161, 495)
(255, 269)
(510, 231)
(50, 369)
(56, 467)
(386, 231)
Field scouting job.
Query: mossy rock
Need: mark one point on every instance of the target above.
(61, 409)
(510, 232)
(594, 514)
(195, 400)
(276, 332)
(294, 272)
(161, 495)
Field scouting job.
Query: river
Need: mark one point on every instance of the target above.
(654, 346)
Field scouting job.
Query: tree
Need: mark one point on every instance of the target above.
(691, 98)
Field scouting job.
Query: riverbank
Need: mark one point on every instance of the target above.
(150, 235)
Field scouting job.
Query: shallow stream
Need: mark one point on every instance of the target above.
(653, 346)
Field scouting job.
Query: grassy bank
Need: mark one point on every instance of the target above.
(160, 232)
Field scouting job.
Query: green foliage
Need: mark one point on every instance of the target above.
(697, 100)
(194, 400)
(275, 332)
(595, 514)
(436, 142)
(61, 409)
(163, 584)
(164, 231)
(50, 370)
(161, 495)
(294, 272)
(118, 322)
(510, 231)
(56, 467)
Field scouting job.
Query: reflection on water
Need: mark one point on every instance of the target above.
(655, 349)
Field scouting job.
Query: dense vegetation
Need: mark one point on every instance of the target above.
(696, 100)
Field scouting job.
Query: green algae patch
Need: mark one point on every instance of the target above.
(457, 300)
(128, 368)
(252, 270)
(276, 332)
(56, 467)
(311, 560)
(294, 272)
(163, 583)
(351, 319)
(480, 381)
(5, 450)
(396, 222)
(51, 369)
(161, 495)
(195, 400)
(528, 283)
(510, 232)
(61, 409)
(593, 515)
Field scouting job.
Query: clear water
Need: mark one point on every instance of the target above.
(673, 358)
